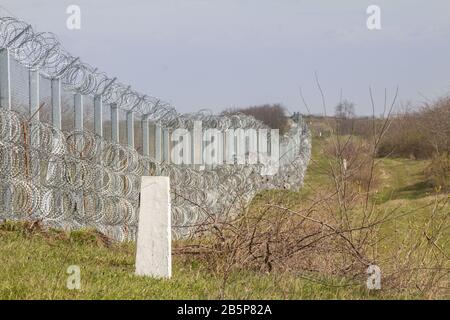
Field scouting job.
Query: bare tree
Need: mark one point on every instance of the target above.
(345, 110)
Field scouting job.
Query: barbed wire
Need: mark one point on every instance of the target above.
(42, 51)
(76, 178)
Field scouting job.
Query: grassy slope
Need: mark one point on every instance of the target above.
(34, 263)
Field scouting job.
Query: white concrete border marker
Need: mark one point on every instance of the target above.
(154, 252)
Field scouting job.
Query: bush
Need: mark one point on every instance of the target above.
(438, 172)
(273, 115)
(419, 134)
(405, 139)
(435, 124)
(357, 157)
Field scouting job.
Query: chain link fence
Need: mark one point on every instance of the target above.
(75, 142)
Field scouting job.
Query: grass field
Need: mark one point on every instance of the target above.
(34, 266)
(34, 261)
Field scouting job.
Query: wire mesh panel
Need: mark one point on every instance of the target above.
(88, 113)
(106, 115)
(68, 110)
(19, 87)
(122, 127)
(138, 133)
(152, 137)
(45, 99)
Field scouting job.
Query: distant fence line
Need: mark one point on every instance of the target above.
(74, 143)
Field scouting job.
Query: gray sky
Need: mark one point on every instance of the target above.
(216, 54)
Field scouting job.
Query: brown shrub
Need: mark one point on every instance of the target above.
(419, 134)
(438, 172)
(353, 162)
(434, 122)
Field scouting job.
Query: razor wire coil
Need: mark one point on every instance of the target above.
(76, 178)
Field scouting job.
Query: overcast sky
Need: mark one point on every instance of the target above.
(216, 54)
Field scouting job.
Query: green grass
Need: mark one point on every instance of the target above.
(403, 179)
(34, 261)
(34, 265)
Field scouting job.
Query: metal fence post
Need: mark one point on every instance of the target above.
(115, 123)
(78, 118)
(145, 137)
(166, 145)
(115, 132)
(98, 128)
(197, 145)
(56, 103)
(240, 145)
(230, 146)
(158, 142)
(79, 126)
(5, 102)
(130, 129)
(55, 88)
(33, 81)
(151, 138)
(98, 115)
(145, 140)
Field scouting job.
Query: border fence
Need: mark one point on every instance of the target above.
(75, 142)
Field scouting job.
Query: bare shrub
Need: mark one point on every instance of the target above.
(419, 134)
(335, 231)
(405, 139)
(325, 237)
(438, 172)
(354, 160)
(434, 122)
